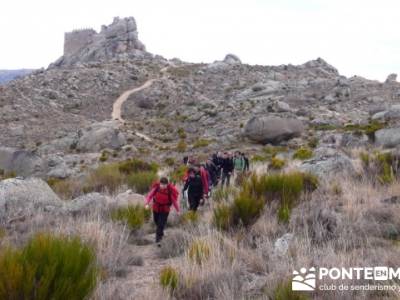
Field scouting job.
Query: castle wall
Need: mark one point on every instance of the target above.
(77, 39)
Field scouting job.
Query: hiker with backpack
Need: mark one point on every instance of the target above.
(194, 186)
(163, 194)
(239, 163)
(246, 162)
(227, 169)
(212, 172)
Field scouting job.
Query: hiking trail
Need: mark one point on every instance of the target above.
(117, 106)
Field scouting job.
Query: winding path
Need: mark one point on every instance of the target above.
(117, 106)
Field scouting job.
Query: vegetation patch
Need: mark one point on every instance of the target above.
(169, 278)
(134, 215)
(48, 267)
(303, 153)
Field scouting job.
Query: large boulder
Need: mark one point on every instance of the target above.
(26, 196)
(99, 136)
(272, 129)
(88, 203)
(23, 162)
(388, 137)
(328, 162)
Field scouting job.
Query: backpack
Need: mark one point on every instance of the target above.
(158, 190)
(196, 183)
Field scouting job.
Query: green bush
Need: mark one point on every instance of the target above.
(284, 292)
(169, 278)
(369, 129)
(65, 188)
(106, 176)
(286, 188)
(223, 193)
(385, 161)
(182, 133)
(104, 156)
(135, 165)
(259, 158)
(303, 154)
(246, 208)
(276, 163)
(181, 146)
(48, 267)
(365, 158)
(134, 215)
(223, 216)
(169, 161)
(201, 143)
(141, 182)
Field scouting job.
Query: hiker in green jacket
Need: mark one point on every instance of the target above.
(239, 163)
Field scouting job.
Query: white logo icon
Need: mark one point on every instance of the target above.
(304, 281)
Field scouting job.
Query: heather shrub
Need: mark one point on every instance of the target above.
(135, 165)
(48, 267)
(134, 215)
(223, 216)
(276, 163)
(169, 278)
(246, 208)
(106, 176)
(303, 154)
(199, 251)
(141, 182)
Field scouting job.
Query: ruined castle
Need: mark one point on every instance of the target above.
(118, 38)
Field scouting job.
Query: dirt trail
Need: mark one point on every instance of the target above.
(117, 106)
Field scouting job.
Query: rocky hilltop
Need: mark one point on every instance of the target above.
(105, 120)
(115, 40)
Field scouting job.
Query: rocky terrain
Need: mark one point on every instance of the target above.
(107, 100)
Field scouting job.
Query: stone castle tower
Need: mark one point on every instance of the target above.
(120, 38)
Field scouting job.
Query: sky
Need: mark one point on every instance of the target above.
(358, 37)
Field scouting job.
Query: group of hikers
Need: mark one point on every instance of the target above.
(198, 182)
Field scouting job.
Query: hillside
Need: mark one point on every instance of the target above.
(88, 135)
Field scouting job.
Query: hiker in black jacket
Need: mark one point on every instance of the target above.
(227, 169)
(217, 160)
(212, 172)
(246, 162)
(194, 185)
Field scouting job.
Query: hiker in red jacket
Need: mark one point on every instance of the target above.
(163, 194)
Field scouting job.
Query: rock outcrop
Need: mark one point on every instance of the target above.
(116, 40)
(388, 137)
(272, 130)
(25, 196)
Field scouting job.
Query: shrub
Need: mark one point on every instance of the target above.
(169, 278)
(199, 251)
(104, 156)
(284, 292)
(286, 188)
(246, 208)
(141, 182)
(384, 162)
(303, 154)
(2, 232)
(276, 163)
(182, 133)
(48, 268)
(365, 158)
(65, 188)
(106, 176)
(201, 143)
(190, 217)
(135, 165)
(313, 142)
(223, 194)
(169, 161)
(272, 151)
(181, 147)
(259, 158)
(134, 215)
(223, 216)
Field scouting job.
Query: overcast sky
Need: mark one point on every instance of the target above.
(359, 37)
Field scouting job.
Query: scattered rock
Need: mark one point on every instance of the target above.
(87, 203)
(281, 245)
(272, 129)
(388, 138)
